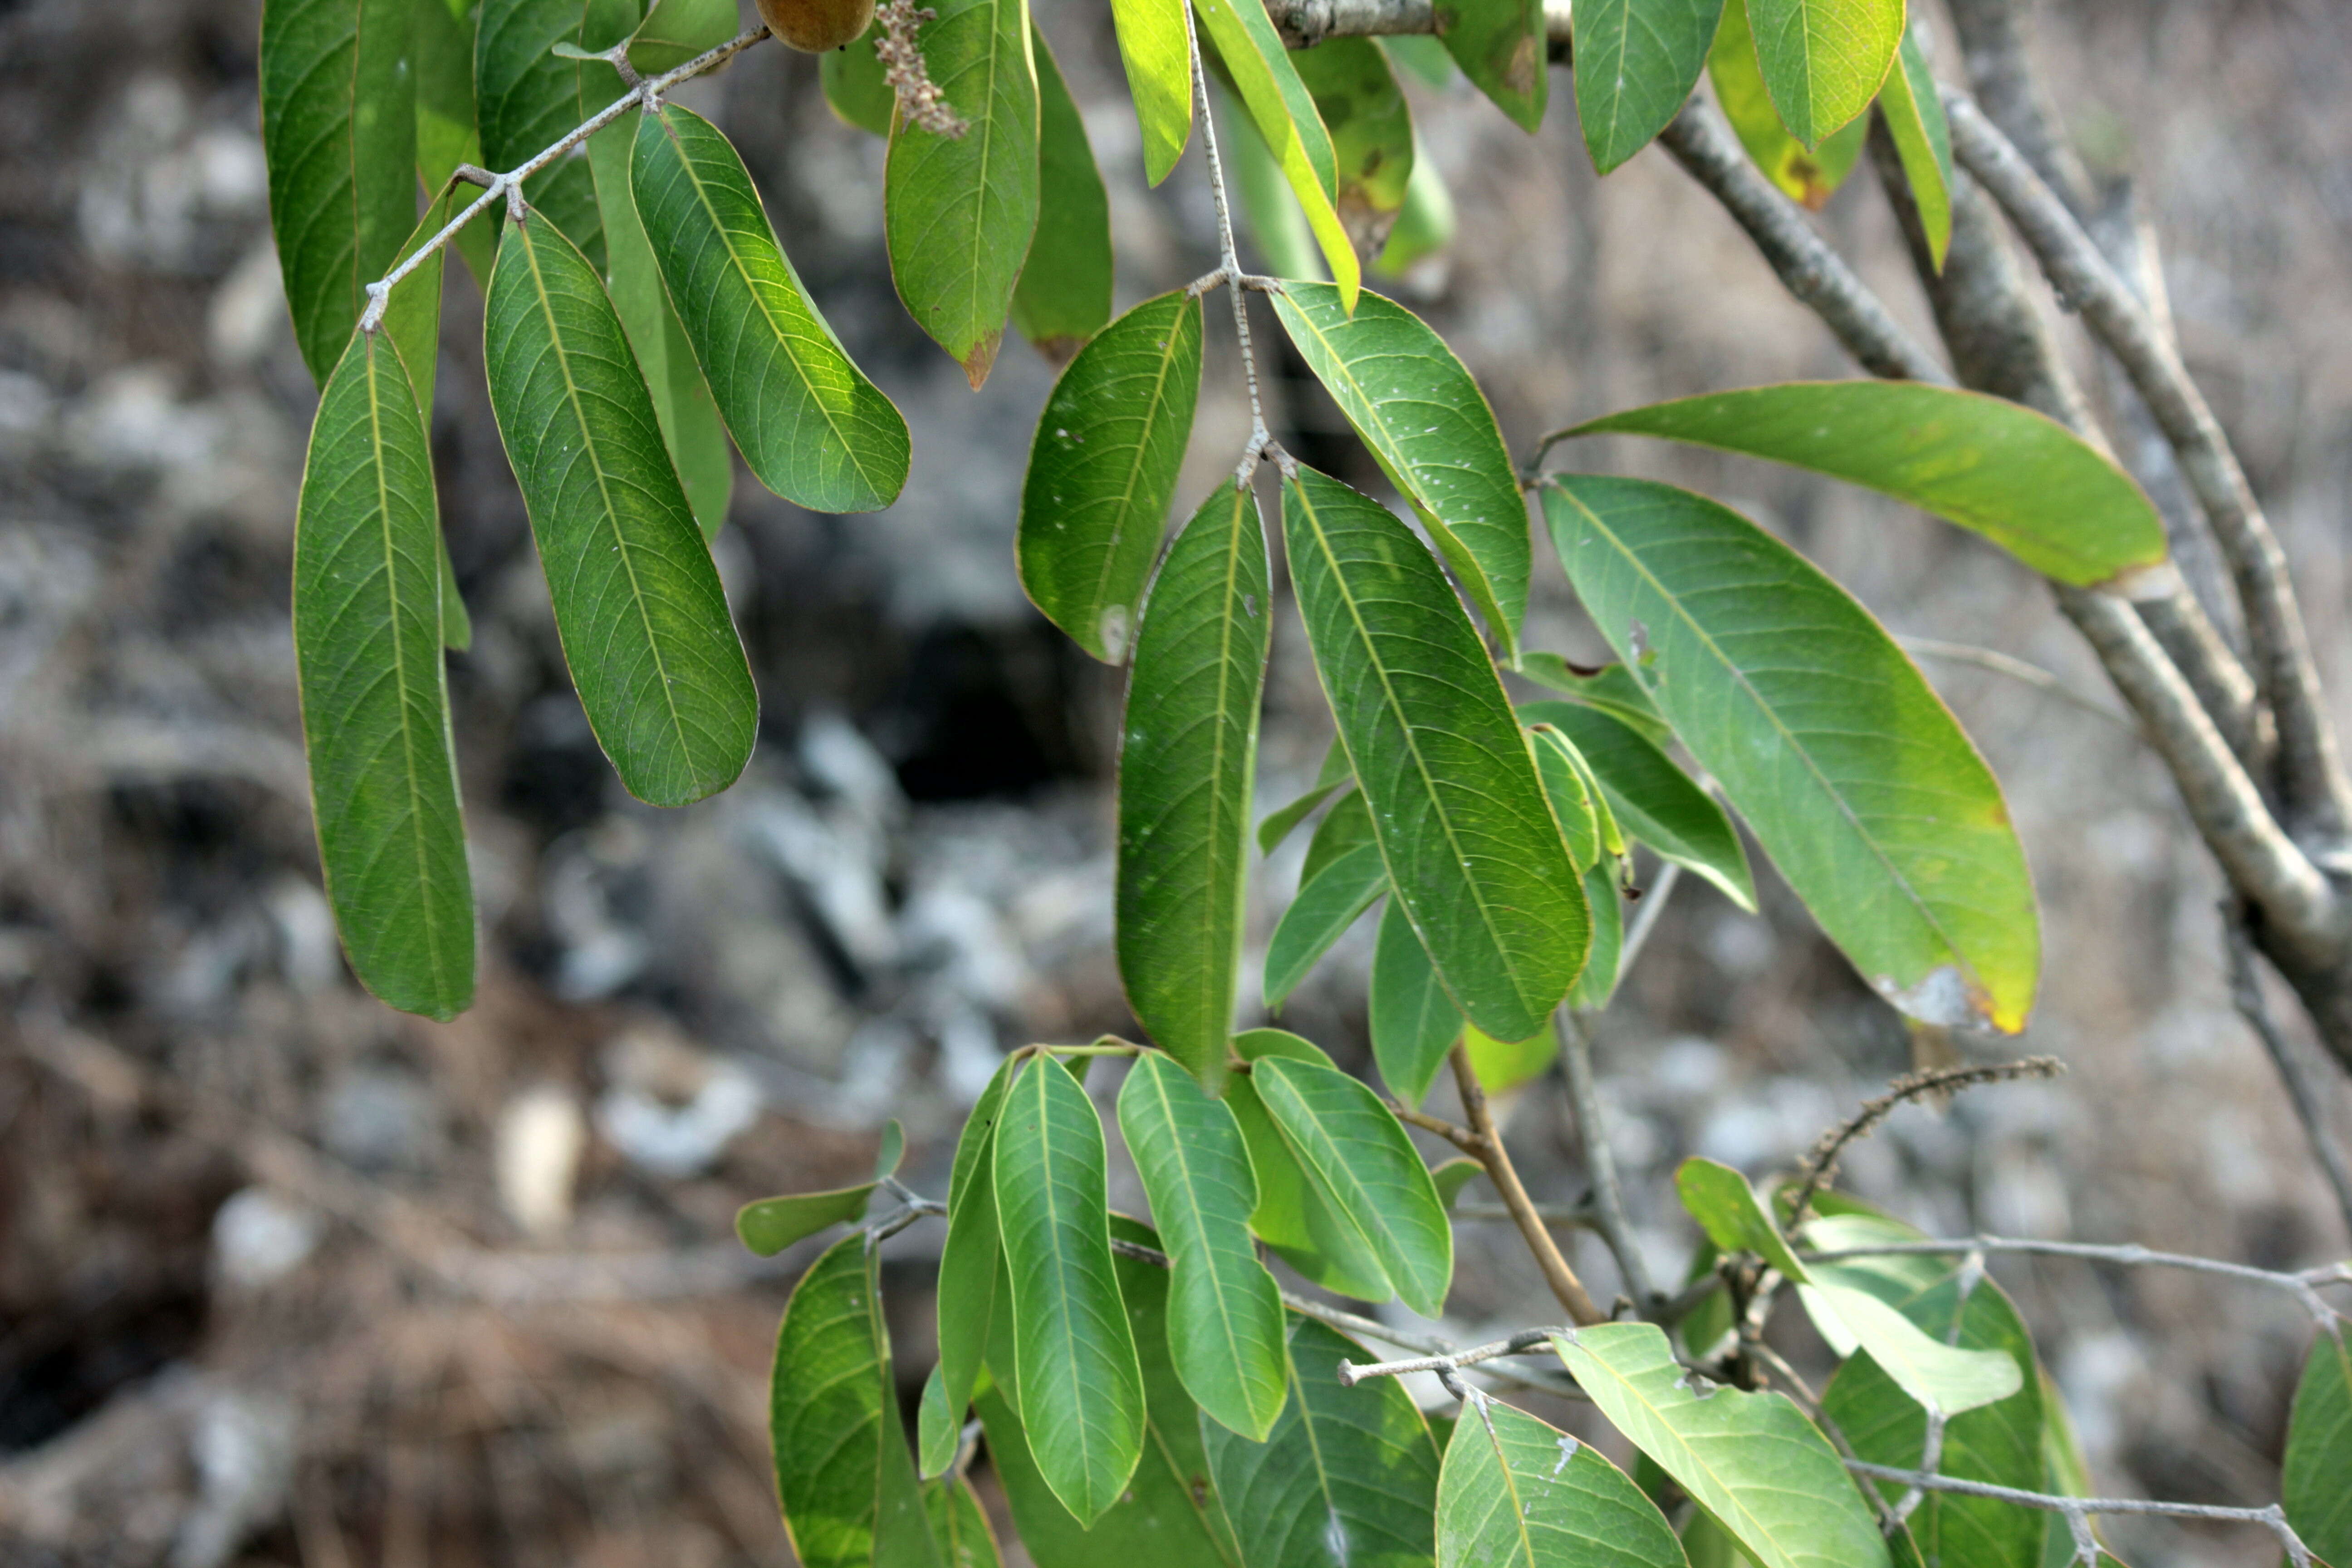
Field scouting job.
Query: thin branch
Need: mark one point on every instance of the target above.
(1461, 1137)
(1576, 1216)
(1303, 24)
(1654, 905)
(1498, 1159)
(2016, 669)
(1600, 1161)
(1520, 1343)
(2308, 1095)
(1820, 1165)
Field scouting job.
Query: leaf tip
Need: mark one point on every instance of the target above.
(982, 358)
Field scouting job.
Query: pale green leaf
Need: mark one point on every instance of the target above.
(1293, 1216)
(1598, 983)
(1327, 905)
(525, 97)
(768, 1225)
(2319, 1450)
(1371, 134)
(1504, 1065)
(1156, 48)
(1636, 62)
(1063, 295)
(1915, 116)
(1823, 61)
(1851, 772)
(1575, 795)
(1270, 218)
(1653, 800)
(1808, 175)
(1516, 1492)
(1188, 754)
(1414, 1022)
(1500, 46)
(1283, 111)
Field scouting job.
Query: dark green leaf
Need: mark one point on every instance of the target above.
(848, 1488)
(338, 130)
(1808, 175)
(1293, 1216)
(526, 98)
(1063, 295)
(1636, 62)
(1102, 469)
(1081, 1387)
(412, 320)
(1500, 46)
(2319, 1450)
(445, 136)
(1356, 1153)
(1320, 915)
(376, 697)
(1261, 73)
(857, 87)
(1429, 427)
(676, 31)
(958, 211)
(1994, 466)
(1371, 131)
(1518, 1493)
(1653, 800)
(971, 1268)
(642, 620)
(1752, 1460)
(1347, 1478)
(960, 1527)
(812, 428)
(770, 1225)
(1598, 983)
(1156, 48)
(1414, 1022)
(1471, 845)
(1187, 758)
(1225, 1311)
(1915, 115)
(1346, 826)
(1854, 776)
(1823, 61)
(1331, 776)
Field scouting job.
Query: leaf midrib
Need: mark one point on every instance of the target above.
(1210, 1257)
(1062, 1268)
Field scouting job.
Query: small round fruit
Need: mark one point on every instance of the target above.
(813, 26)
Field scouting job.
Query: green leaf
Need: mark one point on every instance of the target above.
(526, 98)
(1354, 1148)
(1320, 915)
(1156, 48)
(1575, 795)
(848, 1488)
(1422, 54)
(2319, 1450)
(1993, 467)
(1915, 115)
(1823, 61)
(1225, 1311)
(676, 31)
(1505, 1065)
(958, 210)
(1292, 1216)
(1347, 1478)
(1271, 220)
(1081, 1387)
(1425, 224)
(1501, 47)
(375, 695)
(1636, 62)
(639, 607)
(1471, 845)
(1346, 826)
(812, 426)
(1333, 775)
(1414, 1022)
(1598, 983)
(1610, 686)
(412, 320)
(1854, 776)
(1518, 1493)
(856, 84)
(1063, 295)
(1752, 1460)
(1653, 800)
(1188, 754)
(960, 1527)
(1808, 175)
(1279, 105)
(1102, 469)
(339, 133)
(1454, 1175)
(770, 1225)
(1371, 131)
(971, 1268)
(1428, 424)
(445, 137)
(890, 1149)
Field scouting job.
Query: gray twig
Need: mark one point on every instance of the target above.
(1600, 1163)
(2308, 1095)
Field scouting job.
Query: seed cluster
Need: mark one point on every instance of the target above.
(921, 101)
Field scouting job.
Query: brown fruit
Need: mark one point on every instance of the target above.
(813, 26)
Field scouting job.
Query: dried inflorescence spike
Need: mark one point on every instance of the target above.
(920, 102)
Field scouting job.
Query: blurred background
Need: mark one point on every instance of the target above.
(288, 1279)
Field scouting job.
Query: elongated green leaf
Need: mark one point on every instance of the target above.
(1346, 826)
(1575, 795)
(856, 84)
(960, 1528)
(1993, 467)
(1260, 72)
(1809, 176)
(1292, 1216)
(339, 133)
(1636, 62)
(768, 1225)
(1081, 1387)
(1915, 115)
(1598, 983)
(412, 320)
(2319, 1450)
(812, 428)
(675, 31)
(1371, 131)
(1471, 845)
(1752, 1460)
(1500, 46)
(525, 97)
(1516, 1492)
(1333, 775)
(445, 137)
(1356, 1150)
(376, 697)
(1321, 914)
(1653, 800)
(1174, 1459)
(971, 1268)
(1414, 1022)
(1347, 1478)
(1156, 48)
(1428, 424)
(1063, 295)
(1733, 1216)
(850, 1496)
(1610, 688)
(1823, 61)
(1187, 757)
(958, 210)
(1102, 469)
(1225, 1311)
(1271, 220)
(1426, 225)
(1854, 776)
(642, 620)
